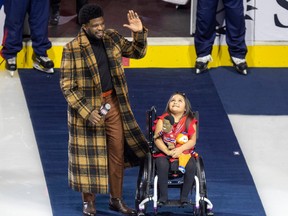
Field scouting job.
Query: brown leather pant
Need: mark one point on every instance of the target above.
(115, 147)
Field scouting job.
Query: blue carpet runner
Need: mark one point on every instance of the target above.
(230, 185)
(261, 92)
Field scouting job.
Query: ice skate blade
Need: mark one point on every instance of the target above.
(198, 71)
(11, 72)
(244, 72)
(45, 70)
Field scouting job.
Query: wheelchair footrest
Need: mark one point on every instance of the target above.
(175, 183)
(177, 203)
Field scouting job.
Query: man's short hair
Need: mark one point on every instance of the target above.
(88, 12)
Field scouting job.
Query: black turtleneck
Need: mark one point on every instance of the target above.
(103, 63)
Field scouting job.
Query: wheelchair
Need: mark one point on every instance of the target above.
(147, 181)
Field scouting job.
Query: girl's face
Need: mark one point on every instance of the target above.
(177, 104)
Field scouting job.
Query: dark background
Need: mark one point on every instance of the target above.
(161, 18)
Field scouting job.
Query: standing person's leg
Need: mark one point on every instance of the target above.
(15, 11)
(54, 12)
(38, 21)
(80, 4)
(55, 5)
(235, 28)
(235, 33)
(115, 146)
(205, 32)
(205, 26)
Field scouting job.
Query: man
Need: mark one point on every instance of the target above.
(38, 11)
(206, 32)
(92, 74)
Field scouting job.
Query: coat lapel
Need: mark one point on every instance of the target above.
(88, 56)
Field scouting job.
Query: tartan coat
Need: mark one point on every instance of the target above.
(81, 87)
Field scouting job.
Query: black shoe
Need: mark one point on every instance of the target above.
(89, 208)
(11, 65)
(240, 65)
(54, 19)
(43, 63)
(117, 204)
(201, 63)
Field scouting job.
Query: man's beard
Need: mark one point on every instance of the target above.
(93, 35)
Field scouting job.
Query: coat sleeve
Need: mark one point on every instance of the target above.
(131, 49)
(68, 84)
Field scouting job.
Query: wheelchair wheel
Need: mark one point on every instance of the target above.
(202, 210)
(143, 182)
(201, 176)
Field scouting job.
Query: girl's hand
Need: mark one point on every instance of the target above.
(175, 153)
(169, 153)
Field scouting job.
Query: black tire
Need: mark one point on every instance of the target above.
(202, 211)
(143, 186)
(203, 208)
(201, 176)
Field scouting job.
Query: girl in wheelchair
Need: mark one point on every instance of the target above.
(184, 121)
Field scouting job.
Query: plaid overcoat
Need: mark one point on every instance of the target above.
(80, 84)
